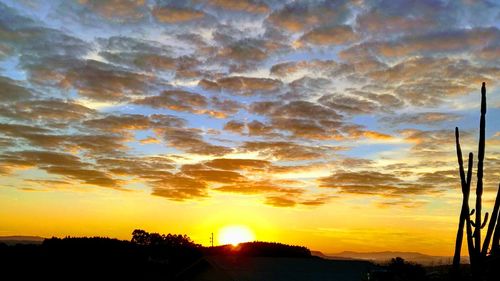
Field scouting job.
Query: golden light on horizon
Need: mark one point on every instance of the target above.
(235, 234)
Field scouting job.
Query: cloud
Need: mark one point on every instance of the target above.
(390, 64)
(234, 126)
(5, 51)
(357, 131)
(385, 185)
(33, 42)
(289, 68)
(447, 177)
(248, 85)
(380, 21)
(248, 6)
(48, 110)
(293, 199)
(18, 130)
(431, 142)
(120, 44)
(306, 87)
(63, 164)
(11, 90)
(119, 123)
(246, 54)
(144, 61)
(238, 164)
(286, 150)
(440, 42)
(334, 35)
(296, 109)
(209, 85)
(300, 16)
(179, 188)
(221, 176)
(47, 139)
(279, 201)
(489, 53)
(141, 54)
(307, 128)
(457, 77)
(251, 187)
(176, 14)
(147, 168)
(426, 118)
(171, 129)
(405, 203)
(318, 201)
(245, 50)
(175, 100)
(256, 128)
(49, 183)
(226, 106)
(191, 141)
(348, 104)
(102, 82)
(129, 10)
(302, 119)
(92, 79)
(149, 140)
(363, 182)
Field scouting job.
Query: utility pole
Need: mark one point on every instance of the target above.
(212, 239)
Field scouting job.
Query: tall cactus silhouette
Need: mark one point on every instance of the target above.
(477, 253)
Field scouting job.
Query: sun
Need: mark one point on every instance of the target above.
(235, 234)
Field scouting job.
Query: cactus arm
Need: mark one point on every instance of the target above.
(479, 187)
(468, 229)
(491, 226)
(495, 244)
(485, 220)
(464, 212)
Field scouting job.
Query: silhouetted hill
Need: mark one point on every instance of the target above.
(148, 256)
(385, 256)
(321, 255)
(260, 249)
(94, 258)
(12, 240)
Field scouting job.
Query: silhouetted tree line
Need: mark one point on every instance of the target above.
(407, 271)
(144, 238)
(157, 257)
(147, 256)
(260, 249)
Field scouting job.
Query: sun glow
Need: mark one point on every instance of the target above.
(235, 234)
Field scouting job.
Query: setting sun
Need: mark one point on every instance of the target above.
(235, 234)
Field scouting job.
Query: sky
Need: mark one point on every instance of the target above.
(328, 124)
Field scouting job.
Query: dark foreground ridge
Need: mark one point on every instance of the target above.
(148, 256)
(153, 256)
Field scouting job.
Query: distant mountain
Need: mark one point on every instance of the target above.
(386, 256)
(330, 257)
(12, 240)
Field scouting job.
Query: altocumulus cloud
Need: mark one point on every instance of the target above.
(298, 103)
